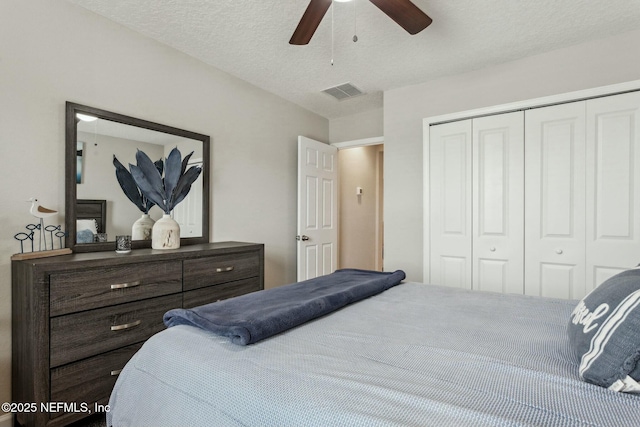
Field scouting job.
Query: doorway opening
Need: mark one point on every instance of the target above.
(360, 200)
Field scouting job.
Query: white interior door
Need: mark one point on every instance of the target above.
(555, 201)
(613, 186)
(498, 203)
(188, 213)
(317, 209)
(450, 204)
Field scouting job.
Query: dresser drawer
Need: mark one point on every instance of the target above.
(90, 380)
(214, 270)
(79, 335)
(216, 293)
(101, 287)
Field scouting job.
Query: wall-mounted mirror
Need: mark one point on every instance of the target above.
(94, 199)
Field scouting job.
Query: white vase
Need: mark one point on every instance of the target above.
(165, 234)
(141, 229)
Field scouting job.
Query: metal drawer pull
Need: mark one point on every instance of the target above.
(116, 372)
(224, 269)
(126, 325)
(126, 285)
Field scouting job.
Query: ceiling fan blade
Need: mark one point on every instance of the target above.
(310, 21)
(405, 13)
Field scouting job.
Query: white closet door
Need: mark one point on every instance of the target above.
(450, 204)
(555, 201)
(498, 203)
(613, 186)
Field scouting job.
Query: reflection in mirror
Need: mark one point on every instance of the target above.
(103, 139)
(95, 143)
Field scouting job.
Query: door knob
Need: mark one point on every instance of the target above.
(303, 238)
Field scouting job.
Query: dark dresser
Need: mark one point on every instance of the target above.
(77, 319)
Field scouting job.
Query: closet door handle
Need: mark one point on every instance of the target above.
(126, 285)
(125, 325)
(224, 269)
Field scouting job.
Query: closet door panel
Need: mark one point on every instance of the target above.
(613, 186)
(450, 204)
(498, 204)
(491, 274)
(555, 201)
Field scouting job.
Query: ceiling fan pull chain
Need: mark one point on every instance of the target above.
(355, 23)
(332, 7)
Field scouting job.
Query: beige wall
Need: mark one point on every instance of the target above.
(357, 167)
(53, 51)
(367, 124)
(597, 63)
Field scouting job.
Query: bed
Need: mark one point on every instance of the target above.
(413, 355)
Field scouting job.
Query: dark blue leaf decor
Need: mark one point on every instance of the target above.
(167, 191)
(130, 188)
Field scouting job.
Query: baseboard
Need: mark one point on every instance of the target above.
(6, 420)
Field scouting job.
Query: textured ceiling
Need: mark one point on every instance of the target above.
(249, 39)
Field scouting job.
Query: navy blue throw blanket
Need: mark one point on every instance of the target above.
(252, 317)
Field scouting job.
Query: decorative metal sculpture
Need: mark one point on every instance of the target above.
(58, 233)
(21, 237)
(52, 231)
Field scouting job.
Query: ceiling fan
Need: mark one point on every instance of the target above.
(404, 12)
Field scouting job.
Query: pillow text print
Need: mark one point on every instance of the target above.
(582, 316)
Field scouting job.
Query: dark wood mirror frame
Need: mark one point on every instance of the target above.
(70, 175)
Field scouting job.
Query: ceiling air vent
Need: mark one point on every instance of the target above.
(343, 91)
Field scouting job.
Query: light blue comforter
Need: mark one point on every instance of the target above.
(415, 355)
